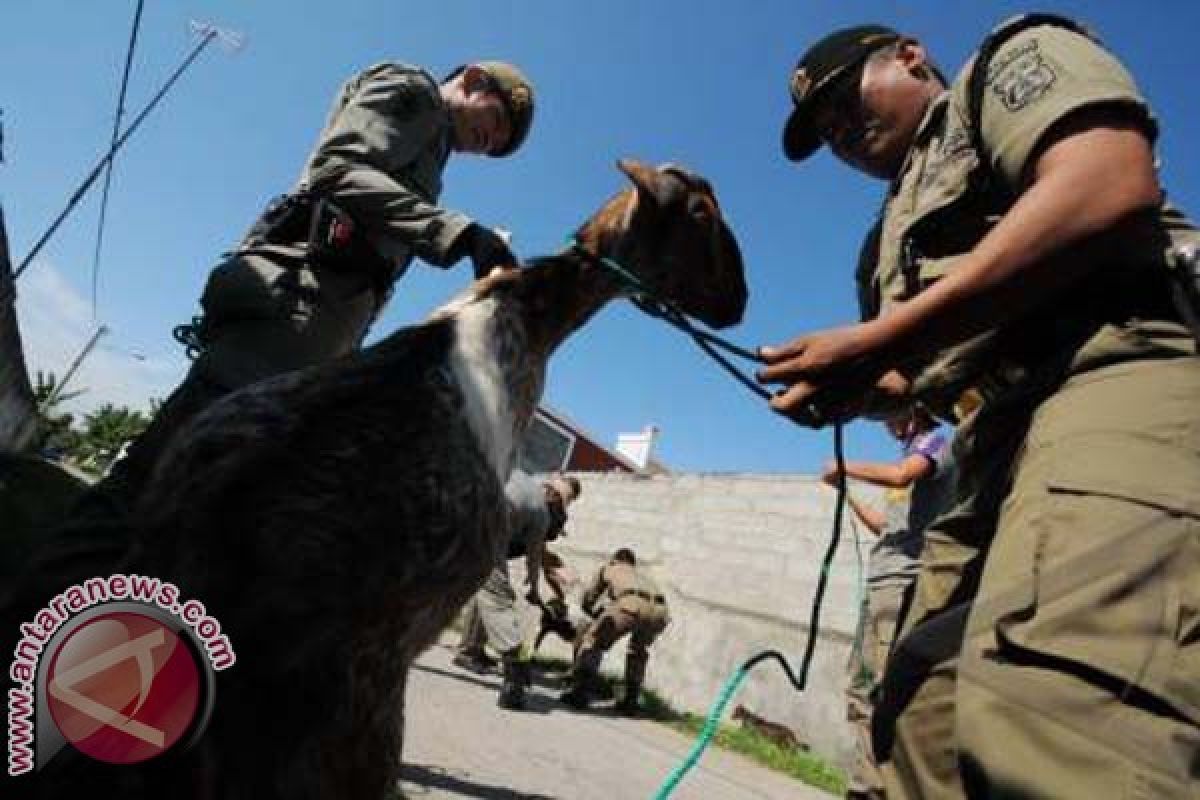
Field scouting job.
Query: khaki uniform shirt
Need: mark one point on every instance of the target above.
(946, 199)
(624, 585)
(380, 157)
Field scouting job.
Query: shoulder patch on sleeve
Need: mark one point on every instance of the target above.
(1021, 76)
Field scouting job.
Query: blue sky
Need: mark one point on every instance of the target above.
(700, 82)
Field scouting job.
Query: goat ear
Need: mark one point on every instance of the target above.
(649, 181)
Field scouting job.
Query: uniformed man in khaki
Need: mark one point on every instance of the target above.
(1019, 282)
(636, 606)
(537, 512)
(317, 267)
(917, 487)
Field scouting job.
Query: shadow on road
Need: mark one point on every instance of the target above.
(434, 777)
(535, 702)
(457, 675)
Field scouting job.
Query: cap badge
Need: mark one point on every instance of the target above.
(518, 98)
(801, 84)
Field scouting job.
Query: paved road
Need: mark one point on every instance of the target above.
(460, 745)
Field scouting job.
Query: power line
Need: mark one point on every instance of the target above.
(208, 34)
(116, 130)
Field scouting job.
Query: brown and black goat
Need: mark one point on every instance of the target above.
(334, 519)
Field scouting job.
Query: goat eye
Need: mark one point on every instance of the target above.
(698, 209)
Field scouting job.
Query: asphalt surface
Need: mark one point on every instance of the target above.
(458, 744)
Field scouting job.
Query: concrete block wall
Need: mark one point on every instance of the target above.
(739, 557)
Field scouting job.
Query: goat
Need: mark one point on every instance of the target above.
(334, 519)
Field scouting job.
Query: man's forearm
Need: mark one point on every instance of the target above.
(533, 565)
(389, 210)
(1083, 185)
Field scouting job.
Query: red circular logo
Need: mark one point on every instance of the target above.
(123, 687)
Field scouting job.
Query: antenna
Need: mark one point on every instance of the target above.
(232, 41)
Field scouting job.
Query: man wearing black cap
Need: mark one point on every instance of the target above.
(1019, 281)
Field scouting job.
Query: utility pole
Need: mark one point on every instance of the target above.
(70, 373)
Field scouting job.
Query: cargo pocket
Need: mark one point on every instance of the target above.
(251, 287)
(1114, 569)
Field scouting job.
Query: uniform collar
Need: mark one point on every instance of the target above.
(934, 113)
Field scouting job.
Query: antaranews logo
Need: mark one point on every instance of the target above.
(118, 669)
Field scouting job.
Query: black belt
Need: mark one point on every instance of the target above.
(653, 598)
(331, 236)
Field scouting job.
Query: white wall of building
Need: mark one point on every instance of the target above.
(738, 557)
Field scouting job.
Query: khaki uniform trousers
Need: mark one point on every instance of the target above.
(878, 625)
(637, 616)
(265, 316)
(262, 318)
(1053, 648)
(492, 616)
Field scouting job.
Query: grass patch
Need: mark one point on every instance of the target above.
(802, 766)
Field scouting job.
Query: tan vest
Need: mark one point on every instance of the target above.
(623, 579)
(945, 200)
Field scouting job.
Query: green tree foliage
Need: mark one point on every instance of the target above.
(105, 430)
(56, 433)
(93, 444)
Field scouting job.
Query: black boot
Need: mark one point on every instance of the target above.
(581, 689)
(525, 673)
(476, 661)
(630, 702)
(512, 690)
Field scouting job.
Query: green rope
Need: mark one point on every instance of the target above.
(631, 281)
(706, 734)
(646, 299)
(799, 682)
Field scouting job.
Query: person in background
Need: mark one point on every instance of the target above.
(916, 489)
(537, 512)
(635, 606)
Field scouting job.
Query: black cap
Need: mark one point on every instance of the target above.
(823, 62)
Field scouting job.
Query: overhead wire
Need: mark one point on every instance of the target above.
(108, 169)
(79, 192)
